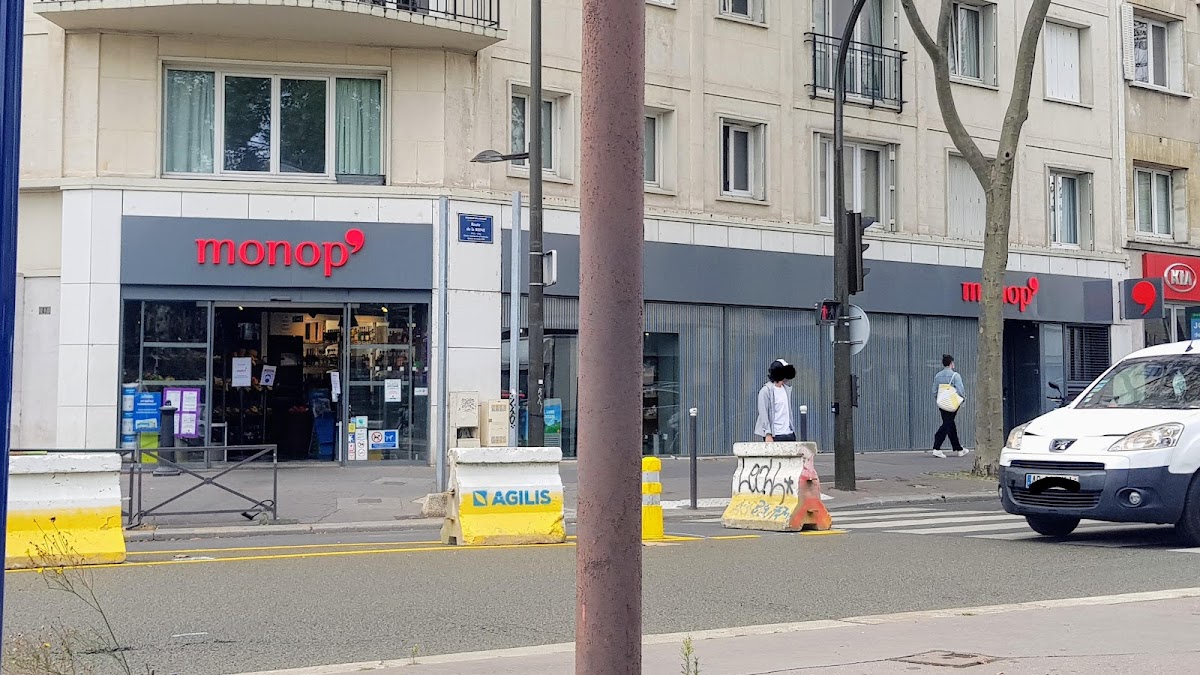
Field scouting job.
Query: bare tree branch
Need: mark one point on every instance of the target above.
(1018, 104)
(938, 51)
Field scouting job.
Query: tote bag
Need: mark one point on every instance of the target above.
(948, 398)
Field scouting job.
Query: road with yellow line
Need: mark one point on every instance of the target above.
(227, 606)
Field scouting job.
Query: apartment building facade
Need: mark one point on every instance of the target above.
(1161, 159)
(238, 207)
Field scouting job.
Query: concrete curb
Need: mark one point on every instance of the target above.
(676, 514)
(231, 531)
(835, 505)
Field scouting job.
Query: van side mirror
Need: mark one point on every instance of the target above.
(1055, 387)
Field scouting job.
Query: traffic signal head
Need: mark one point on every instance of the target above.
(828, 312)
(858, 272)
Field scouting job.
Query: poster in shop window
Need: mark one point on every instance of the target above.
(268, 376)
(393, 391)
(243, 367)
(360, 439)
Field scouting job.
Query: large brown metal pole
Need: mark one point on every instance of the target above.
(608, 611)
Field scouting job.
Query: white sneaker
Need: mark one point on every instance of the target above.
(939, 454)
(962, 453)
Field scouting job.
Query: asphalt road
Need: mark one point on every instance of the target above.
(206, 607)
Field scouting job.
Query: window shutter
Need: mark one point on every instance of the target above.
(1177, 67)
(1052, 203)
(891, 183)
(1087, 214)
(1179, 219)
(1127, 40)
(988, 69)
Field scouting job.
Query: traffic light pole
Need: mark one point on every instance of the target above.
(843, 243)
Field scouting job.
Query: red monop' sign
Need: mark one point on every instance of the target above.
(1020, 296)
(306, 253)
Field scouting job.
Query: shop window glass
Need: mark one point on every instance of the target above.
(389, 376)
(176, 322)
(661, 418)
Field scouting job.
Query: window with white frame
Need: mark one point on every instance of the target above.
(742, 159)
(520, 138)
(868, 180)
(652, 149)
(1153, 49)
(1062, 61)
(973, 42)
(966, 204)
(1070, 205)
(257, 123)
(1154, 202)
(752, 10)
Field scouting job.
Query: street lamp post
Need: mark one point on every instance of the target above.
(537, 370)
(843, 385)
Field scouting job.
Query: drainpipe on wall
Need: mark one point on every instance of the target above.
(442, 446)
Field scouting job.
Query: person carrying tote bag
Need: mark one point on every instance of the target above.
(949, 394)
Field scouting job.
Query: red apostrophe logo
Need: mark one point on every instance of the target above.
(331, 254)
(1145, 294)
(1180, 277)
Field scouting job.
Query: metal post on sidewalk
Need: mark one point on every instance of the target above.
(694, 451)
(537, 366)
(12, 34)
(804, 423)
(442, 447)
(608, 568)
(166, 442)
(843, 385)
(514, 324)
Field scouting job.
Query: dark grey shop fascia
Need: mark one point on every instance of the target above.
(728, 276)
(281, 254)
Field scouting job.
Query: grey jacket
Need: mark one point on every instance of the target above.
(948, 376)
(766, 409)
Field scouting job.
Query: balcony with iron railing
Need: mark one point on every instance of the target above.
(460, 25)
(874, 74)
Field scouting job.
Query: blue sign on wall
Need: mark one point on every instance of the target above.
(474, 229)
(146, 411)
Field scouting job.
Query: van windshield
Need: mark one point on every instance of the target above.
(1163, 382)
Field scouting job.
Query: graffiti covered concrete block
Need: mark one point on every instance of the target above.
(775, 487)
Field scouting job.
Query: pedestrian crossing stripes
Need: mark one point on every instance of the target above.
(998, 525)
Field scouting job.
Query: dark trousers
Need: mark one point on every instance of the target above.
(948, 428)
(785, 438)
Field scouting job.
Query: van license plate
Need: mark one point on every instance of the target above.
(1031, 478)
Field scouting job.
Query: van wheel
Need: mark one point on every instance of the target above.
(1188, 527)
(1052, 526)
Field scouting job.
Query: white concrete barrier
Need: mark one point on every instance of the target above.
(504, 496)
(64, 509)
(775, 487)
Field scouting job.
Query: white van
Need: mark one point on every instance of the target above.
(1126, 450)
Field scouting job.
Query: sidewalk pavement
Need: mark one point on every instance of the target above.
(326, 498)
(1150, 632)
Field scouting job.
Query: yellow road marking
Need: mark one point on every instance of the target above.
(819, 533)
(331, 554)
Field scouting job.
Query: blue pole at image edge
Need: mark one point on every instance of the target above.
(11, 36)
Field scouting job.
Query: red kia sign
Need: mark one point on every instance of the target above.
(252, 252)
(1021, 296)
(1179, 274)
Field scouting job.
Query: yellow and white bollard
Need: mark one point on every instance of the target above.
(652, 512)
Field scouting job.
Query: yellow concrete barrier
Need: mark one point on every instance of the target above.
(652, 512)
(64, 509)
(775, 487)
(504, 496)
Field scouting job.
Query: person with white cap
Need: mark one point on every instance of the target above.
(775, 404)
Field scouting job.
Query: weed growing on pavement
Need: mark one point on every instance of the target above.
(691, 662)
(61, 650)
(413, 653)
